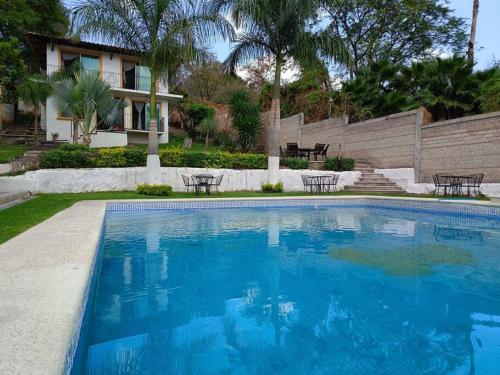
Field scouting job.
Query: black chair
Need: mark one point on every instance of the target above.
(320, 149)
(308, 183)
(441, 181)
(188, 182)
(292, 150)
(473, 183)
(330, 182)
(217, 182)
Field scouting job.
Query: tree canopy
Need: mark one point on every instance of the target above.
(397, 31)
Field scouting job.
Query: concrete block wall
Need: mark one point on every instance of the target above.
(386, 142)
(462, 146)
(409, 140)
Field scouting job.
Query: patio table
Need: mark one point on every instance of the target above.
(203, 181)
(318, 183)
(455, 183)
(306, 152)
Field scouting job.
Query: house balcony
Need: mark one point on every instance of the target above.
(138, 86)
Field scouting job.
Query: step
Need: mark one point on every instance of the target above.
(11, 199)
(375, 183)
(363, 170)
(377, 189)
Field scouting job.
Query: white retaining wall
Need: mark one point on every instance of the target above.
(119, 179)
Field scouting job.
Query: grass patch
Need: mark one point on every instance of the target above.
(8, 152)
(17, 219)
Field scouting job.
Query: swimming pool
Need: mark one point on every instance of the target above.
(315, 289)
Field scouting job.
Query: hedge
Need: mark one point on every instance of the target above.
(332, 164)
(295, 163)
(178, 157)
(79, 156)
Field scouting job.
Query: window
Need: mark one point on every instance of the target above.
(141, 117)
(135, 76)
(86, 62)
(117, 125)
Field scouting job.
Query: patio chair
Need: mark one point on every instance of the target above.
(292, 150)
(216, 182)
(188, 182)
(440, 182)
(320, 149)
(330, 182)
(473, 183)
(308, 183)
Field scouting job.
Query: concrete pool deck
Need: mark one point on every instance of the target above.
(44, 277)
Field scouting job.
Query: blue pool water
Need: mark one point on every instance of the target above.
(295, 291)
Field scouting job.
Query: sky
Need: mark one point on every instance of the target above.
(487, 38)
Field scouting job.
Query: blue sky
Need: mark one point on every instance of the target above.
(487, 33)
(486, 37)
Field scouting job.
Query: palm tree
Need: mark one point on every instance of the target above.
(88, 101)
(165, 33)
(473, 28)
(34, 91)
(280, 29)
(209, 126)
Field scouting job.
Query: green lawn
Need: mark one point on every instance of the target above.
(8, 152)
(17, 219)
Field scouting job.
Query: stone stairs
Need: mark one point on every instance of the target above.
(371, 182)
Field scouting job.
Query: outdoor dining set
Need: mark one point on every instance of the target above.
(458, 185)
(320, 183)
(202, 182)
(293, 150)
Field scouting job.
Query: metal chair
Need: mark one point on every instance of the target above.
(188, 182)
(217, 182)
(292, 150)
(440, 181)
(318, 149)
(473, 182)
(308, 184)
(330, 182)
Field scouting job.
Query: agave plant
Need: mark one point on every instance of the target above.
(88, 101)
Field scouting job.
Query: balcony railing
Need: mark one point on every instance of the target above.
(117, 81)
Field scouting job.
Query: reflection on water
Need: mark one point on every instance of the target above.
(406, 260)
(296, 291)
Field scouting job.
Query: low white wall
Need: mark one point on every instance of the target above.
(117, 179)
(405, 178)
(108, 139)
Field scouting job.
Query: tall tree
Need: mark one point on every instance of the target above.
(397, 31)
(473, 28)
(165, 33)
(280, 29)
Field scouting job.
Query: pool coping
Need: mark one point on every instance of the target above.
(45, 273)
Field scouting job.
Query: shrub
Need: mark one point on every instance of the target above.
(158, 190)
(270, 188)
(67, 157)
(333, 164)
(246, 118)
(120, 157)
(73, 147)
(295, 163)
(176, 157)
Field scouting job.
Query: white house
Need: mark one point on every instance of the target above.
(128, 79)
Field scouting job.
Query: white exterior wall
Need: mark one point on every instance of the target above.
(119, 179)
